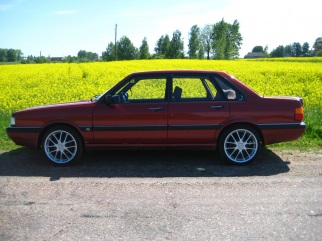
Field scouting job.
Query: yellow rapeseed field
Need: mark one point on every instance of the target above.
(23, 86)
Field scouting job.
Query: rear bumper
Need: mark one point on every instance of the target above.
(281, 132)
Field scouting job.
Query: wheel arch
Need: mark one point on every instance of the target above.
(249, 124)
(48, 127)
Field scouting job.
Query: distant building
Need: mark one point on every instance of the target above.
(56, 59)
(253, 55)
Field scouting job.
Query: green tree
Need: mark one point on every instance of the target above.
(85, 56)
(11, 55)
(219, 37)
(41, 60)
(319, 53)
(91, 56)
(3, 55)
(317, 46)
(258, 49)
(109, 54)
(176, 46)
(81, 54)
(306, 49)
(194, 42)
(206, 39)
(70, 59)
(234, 41)
(287, 50)
(19, 54)
(226, 40)
(296, 49)
(162, 46)
(201, 52)
(144, 50)
(125, 49)
(278, 52)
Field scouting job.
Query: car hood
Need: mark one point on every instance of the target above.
(76, 104)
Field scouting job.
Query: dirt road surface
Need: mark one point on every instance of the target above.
(156, 195)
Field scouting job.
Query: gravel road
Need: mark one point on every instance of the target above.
(156, 195)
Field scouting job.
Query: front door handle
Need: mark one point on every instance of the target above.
(156, 108)
(217, 107)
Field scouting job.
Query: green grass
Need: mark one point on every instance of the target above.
(5, 142)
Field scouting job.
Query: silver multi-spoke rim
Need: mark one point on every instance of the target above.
(241, 146)
(60, 146)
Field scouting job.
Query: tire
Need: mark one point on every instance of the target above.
(62, 145)
(239, 144)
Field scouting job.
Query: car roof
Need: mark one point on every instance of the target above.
(188, 71)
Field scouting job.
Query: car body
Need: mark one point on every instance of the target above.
(173, 108)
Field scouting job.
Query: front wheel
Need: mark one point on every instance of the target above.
(62, 145)
(239, 144)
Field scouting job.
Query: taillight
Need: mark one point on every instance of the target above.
(299, 114)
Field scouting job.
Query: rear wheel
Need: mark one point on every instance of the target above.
(62, 145)
(239, 144)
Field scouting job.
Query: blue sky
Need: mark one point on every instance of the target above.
(63, 27)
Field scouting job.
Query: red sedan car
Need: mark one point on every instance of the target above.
(202, 109)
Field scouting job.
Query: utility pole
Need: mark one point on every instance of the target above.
(115, 42)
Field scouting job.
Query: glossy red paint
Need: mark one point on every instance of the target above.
(138, 115)
(198, 114)
(114, 119)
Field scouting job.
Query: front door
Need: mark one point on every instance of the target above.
(136, 115)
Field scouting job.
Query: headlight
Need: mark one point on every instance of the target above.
(12, 121)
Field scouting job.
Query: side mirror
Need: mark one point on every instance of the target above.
(108, 99)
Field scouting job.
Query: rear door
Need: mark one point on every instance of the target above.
(196, 110)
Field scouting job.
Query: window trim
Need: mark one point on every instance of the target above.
(202, 78)
(126, 86)
(227, 82)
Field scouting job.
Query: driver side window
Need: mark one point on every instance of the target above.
(144, 90)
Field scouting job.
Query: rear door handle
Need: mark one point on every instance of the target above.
(217, 107)
(156, 108)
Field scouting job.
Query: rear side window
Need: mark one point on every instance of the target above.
(230, 92)
(193, 89)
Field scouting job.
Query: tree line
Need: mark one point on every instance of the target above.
(292, 50)
(221, 40)
(10, 55)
